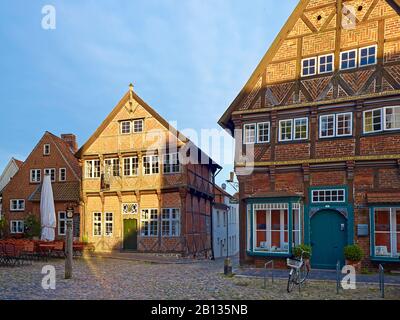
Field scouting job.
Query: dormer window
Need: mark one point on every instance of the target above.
(368, 56)
(46, 149)
(325, 63)
(309, 67)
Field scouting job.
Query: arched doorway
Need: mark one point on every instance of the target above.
(328, 239)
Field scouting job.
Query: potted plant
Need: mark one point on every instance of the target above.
(306, 251)
(353, 255)
(32, 227)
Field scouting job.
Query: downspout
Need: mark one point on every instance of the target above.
(211, 215)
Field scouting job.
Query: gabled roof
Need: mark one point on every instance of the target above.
(19, 163)
(126, 98)
(225, 120)
(12, 161)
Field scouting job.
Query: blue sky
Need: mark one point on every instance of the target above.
(187, 58)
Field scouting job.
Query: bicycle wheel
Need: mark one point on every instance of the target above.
(291, 280)
(304, 271)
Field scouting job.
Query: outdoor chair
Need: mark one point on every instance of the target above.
(58, 250)
(28, 252)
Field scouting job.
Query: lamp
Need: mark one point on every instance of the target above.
(70, 212)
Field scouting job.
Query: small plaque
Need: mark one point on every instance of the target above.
(362, 230)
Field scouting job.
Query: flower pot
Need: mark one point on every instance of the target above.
(355, 264)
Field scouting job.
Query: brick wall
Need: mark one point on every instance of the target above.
(284, 152)
(335, 148)
(380, 144)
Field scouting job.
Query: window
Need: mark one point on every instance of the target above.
(131, 166)
(225, 218)
(373, 121)
(249, 134)
(293, 129)
(35, 175)
(93, 169)
(325, 63)
(171, 163)
(285, 129)
(344, 124)
(170, 223)
(218, 219)
(17, 205)
(300, 129)
(51, 173)
(111, 167)
(97, 224)
(348, 60)
(109, 224)
(272, 229)
(387, 232)
(392, 118)
(46, 149)
(138, 126)
(63, 174)
(368, 56)
(62, 223)
(17, 226)
(336, 125)
(309, 67)
(263, 132)
(130, 208)
(125, 127)
(150, 165)
(324, 196)
(149, 223)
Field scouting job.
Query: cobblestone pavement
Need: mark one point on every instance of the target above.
(121, 279)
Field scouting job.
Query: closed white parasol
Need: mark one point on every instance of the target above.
(47, 210)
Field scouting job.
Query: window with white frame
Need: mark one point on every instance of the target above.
(131, 166)
(171, 163)
(285, 130)
(97, 224)
(46, 149)
(325, 63)
(111, 167)
(263, 132)
(387, 232)
(367, 56)
(92, 169)
(63, 174)
(62, 223)
(130, 208)
(381, 119)
(336, 125)
(125, 127)
(309, 67)
(16, 226)
(296, 220)
(293, 129)
(348, 60)
(138, 126)
(35, 176)
(109, 224)
(301, 129)
(328, 195)
(151, 165)
(271, 225)
(170, 223)
(149, 223)
(51, 173)
(249, 133)
(17, 205)
(248, 229)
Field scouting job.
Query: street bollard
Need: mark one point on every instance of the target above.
(337, 277)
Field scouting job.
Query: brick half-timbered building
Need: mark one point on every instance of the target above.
(145, 186)
(317, 130)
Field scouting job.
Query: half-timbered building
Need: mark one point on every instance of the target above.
(317, 130)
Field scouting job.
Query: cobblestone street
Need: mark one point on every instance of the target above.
(96, 278)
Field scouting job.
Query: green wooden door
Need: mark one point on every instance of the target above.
(130, 234)
(328, 239)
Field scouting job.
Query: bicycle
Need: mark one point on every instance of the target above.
(299, 271)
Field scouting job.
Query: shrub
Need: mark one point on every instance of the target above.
(32, 227)
(303, 247)
(353, 253)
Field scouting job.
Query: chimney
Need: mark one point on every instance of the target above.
(70, 139)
